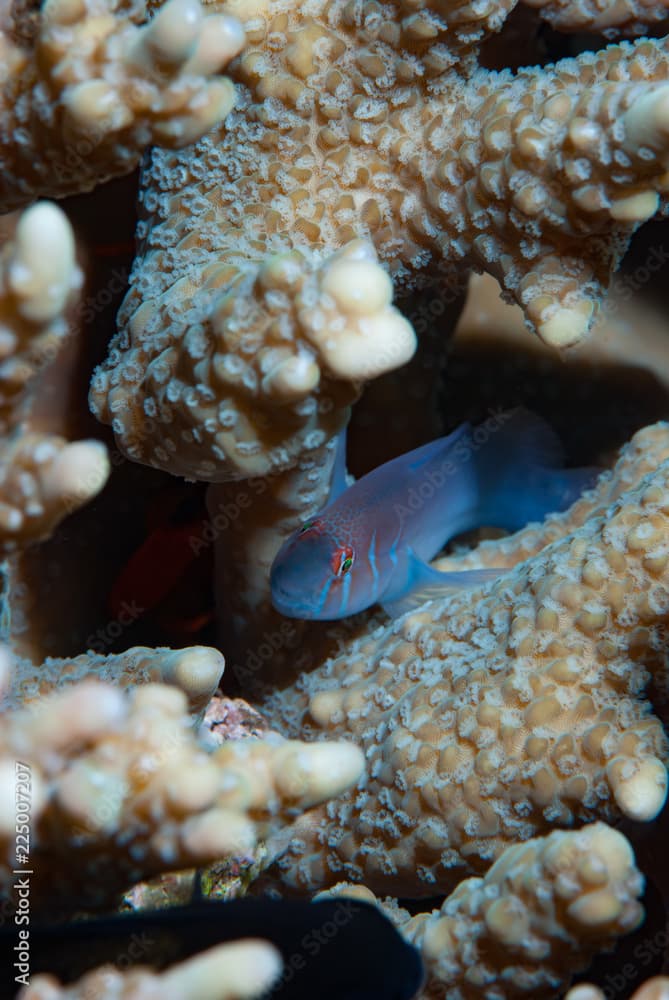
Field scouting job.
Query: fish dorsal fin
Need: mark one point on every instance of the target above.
(428, 452)
(520, 472)
(416, 582)
(340, 481)
(528, 434)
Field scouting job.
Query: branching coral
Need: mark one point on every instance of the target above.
(653, 989)
(42, 477)
(92, 89)
(258, 307)
(537, 916)
(228, 972)
(631, 16)
(644, 453)
(487, 717)
(366, 121)
(275, 331)
(195, 670)
(120, 789)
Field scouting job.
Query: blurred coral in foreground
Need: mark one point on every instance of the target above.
(42, 477)
(228, 972)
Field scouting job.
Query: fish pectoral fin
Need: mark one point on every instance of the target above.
(423, 584)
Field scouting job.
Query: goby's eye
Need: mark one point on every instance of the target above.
(342, 560)
(306, 526)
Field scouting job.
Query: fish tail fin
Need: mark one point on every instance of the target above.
(520, 474)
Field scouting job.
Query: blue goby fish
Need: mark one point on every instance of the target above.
(373, 541)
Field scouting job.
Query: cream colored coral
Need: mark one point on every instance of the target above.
(38, 278)
(631, 16)
(537, 917)
(656, 988)
(489, 716)
(227, 972)
(195, 670)
(370, 338)
(42, 477)
(121, 788)
(354, 124)
(280, 334)
(42, 480)
(95, 89)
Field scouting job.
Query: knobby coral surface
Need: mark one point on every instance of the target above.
(120, 788)
(89, 88)
(366, 129)
(537, 916)
(195, 670)
(229, 972)
(493, 715)
(367, 143)
(634, 16)
(42, 477)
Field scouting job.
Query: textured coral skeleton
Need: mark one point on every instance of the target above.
(362, 122)
(373, 135)
(92, 89)
(42, 477)
(228, 972)
(124, 776)
(370, 151)
(583, 883)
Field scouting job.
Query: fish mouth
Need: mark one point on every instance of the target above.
(289, 607)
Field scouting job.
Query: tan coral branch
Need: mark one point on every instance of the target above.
(42, 477)
(123, 777)
(356, 130)
(632, 17)
(195, 670)
(244, 969)
(96, 89)
(644, 453)
(537, 917)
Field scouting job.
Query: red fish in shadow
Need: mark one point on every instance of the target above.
(169, 576)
